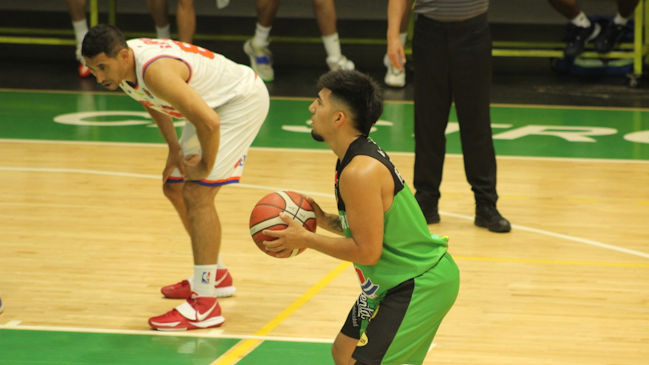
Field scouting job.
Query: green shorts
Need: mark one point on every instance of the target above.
(400, 329)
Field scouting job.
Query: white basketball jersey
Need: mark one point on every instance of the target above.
(215, 78)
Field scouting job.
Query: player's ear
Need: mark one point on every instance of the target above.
(123, 54)
(339, 116)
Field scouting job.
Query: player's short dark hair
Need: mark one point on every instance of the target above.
(359, 92)
(103, 38)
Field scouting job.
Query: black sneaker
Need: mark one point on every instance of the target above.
(610, 37)
(577, 38)
(429, 209)
(488, 216)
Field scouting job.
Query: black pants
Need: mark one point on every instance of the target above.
(453, 63)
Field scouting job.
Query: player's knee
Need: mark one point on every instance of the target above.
(340, 356)
(172, 190)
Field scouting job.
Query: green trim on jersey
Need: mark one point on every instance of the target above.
(408, 247)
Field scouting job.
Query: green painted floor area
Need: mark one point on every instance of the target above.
(50, 347)
(284, 352)
(531, 131)
(20, 347)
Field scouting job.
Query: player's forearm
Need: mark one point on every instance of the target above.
(396, 9)
(166, 127)
(341, 248)
(331, 222)
(209, 137)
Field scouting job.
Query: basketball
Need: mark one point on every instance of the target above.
(265, 215)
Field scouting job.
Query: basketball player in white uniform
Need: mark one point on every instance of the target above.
(224, 105)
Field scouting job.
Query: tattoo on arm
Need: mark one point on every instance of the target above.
(333, 224)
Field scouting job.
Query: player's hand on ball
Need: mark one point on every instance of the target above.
(319, 213)
(286, 239)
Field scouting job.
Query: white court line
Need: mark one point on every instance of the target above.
(217, 333)
(277, 188)
(326, 150)
(563, 236)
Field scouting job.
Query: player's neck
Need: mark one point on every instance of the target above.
(131, 75)
(342, 145)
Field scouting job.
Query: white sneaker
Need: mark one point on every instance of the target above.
(342, 63)
(394, 77)
(261, 60)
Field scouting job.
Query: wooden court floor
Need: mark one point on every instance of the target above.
(88, 239)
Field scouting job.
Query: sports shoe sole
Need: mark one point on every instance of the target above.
(208, 323)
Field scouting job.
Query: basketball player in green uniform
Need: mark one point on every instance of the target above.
(408, 279)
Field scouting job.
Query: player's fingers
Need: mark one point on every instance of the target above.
(287, 218)
(272, 246)
(272, 233)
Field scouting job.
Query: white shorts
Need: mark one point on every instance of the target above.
(241, 120)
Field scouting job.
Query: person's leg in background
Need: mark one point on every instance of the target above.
(77, 10)
(185, 19)
(580, 29)
(432, 106)
(261, 59)
(325, 13)
(615, 30)
(160, 15)
(471, 73)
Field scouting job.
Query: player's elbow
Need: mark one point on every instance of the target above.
(213, 125)
(369, 257)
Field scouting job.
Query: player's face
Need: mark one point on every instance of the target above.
(320, 114)
(107, 70)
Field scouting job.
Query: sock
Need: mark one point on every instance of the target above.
(203, 280)
(80, 30)
(581, 20)
(332, 46)
(261, 36)
(163, 32)
(619, 19)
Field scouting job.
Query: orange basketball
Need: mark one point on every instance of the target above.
(265, 215)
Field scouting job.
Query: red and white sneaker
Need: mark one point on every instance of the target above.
(83, 70)
(194, 313)
(183, 289)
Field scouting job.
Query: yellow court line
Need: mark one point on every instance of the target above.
(239, 350)
(552, 262)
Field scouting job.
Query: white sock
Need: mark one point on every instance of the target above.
(163, 32)
(203, 280)
(80, 30)
(220, 264)
(619, 19)
(332, 46)
(261, 36)
(581, 20)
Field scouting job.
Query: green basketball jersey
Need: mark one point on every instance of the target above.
(408, 248)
